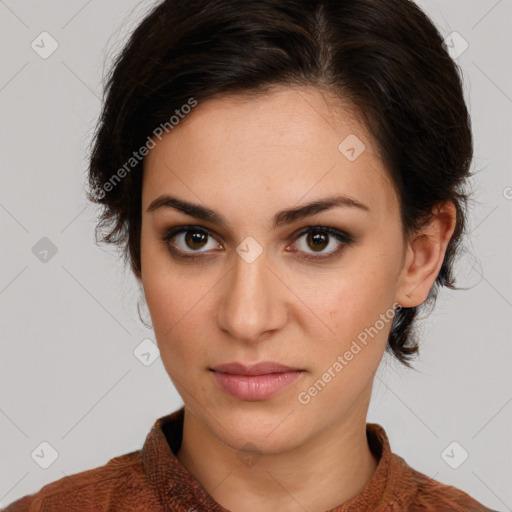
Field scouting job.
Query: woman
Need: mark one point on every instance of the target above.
(286, 178)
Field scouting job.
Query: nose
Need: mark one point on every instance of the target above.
(253, 300)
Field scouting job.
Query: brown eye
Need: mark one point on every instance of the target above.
(189, 240)
(195, 239)
(315, 240)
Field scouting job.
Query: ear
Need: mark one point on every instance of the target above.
(424, 256)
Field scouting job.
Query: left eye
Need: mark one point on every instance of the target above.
(317, 238)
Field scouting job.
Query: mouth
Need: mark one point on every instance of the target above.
(255, 382)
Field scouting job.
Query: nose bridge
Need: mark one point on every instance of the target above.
(249, 305)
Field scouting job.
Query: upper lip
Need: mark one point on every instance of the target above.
(262, 368)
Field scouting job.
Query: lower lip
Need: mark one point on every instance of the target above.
(255, 387)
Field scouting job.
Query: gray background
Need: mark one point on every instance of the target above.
(69, 325)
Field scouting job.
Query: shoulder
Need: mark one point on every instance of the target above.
(433, 496)
(117, 482)
(401, 488)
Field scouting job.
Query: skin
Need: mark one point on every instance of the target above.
(248, 158)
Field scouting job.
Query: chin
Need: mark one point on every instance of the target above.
(252, 440)
(269, 429)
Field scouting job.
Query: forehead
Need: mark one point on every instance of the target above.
(292, 144)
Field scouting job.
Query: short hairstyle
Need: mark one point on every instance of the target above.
(385, 57)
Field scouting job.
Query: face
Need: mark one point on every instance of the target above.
(254, 282)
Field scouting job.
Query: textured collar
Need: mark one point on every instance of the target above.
(176, 487)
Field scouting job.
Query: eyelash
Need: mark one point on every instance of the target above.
(344, 238)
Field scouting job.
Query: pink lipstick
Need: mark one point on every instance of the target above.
(254, 381)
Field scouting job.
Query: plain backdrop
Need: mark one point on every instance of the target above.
(69, 326)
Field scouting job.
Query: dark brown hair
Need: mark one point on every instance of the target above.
(384, 56)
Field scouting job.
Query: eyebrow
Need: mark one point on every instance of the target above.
(286, 216)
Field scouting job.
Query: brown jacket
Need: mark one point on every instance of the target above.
(153, 480)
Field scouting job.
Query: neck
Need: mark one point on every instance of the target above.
(317, 475)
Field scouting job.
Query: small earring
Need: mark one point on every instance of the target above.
(150, 326)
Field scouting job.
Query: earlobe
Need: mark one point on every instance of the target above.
(425, 256)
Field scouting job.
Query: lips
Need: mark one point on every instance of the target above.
(263, 368)
(254, 381)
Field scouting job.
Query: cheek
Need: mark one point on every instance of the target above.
(166, 290)
(166, 305)
(359, 312)
(176, 300)
(359, 306)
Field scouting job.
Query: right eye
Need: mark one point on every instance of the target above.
(188, 237)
